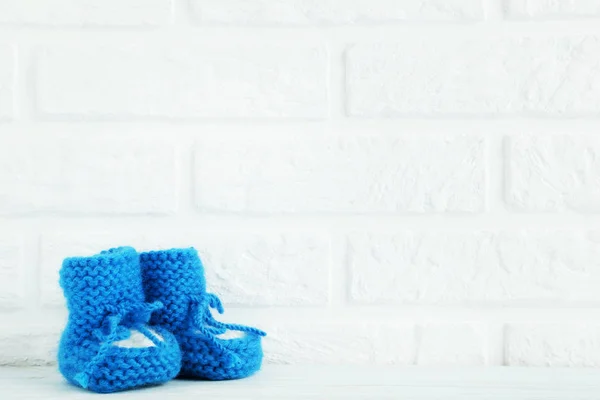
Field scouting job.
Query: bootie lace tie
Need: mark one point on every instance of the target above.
(203, 321)
(115, 327)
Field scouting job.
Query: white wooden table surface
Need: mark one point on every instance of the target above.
(281, 382)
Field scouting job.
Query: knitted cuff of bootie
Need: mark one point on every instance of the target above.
(163, 270)
(176, 278)
(106, 345)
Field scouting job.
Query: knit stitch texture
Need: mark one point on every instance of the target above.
(176, 278)
(105, 301)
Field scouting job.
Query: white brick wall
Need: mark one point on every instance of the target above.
(11, 274)
(359, 174)
(381, 182)
(553, 173)
(309, 12)
(469, 345)
(85, 12)
(475, 267)
(88, 176)
(553, 345)
(187, 82)
(549, 9)
(7, 82)
(322, 343)
(485, 75)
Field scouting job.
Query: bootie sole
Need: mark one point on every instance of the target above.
(202, 360)
(128, 368)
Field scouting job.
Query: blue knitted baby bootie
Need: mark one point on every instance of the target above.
(107, 346)
(176, 278)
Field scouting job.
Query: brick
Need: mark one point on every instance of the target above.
(87, 176)
(478, 76)
(102, 83)
(452, 345)
(375, 343)
(525, 267)
(28, 346)
(85, 12)
(307, 12)
(553, 173)
(342, 343)
(553, 345)
(244, 269)
(11, 272)
(550, 9)
(7, 82)
(254, 270)
(362, 174)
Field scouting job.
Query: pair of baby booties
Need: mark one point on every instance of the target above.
(143, 319)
